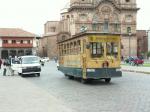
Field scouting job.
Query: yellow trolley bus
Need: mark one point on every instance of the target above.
(90, 56)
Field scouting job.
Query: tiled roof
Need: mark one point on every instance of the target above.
(15, 32)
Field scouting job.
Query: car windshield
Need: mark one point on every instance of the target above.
(30, 60)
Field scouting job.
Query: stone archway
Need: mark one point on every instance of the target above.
(20, 52)
(4, 54)
(13, 53)
(28, 52)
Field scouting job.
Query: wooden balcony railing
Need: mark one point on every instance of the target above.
(7, 45)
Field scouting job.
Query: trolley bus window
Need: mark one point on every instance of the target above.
(97, 49)
(112, 48)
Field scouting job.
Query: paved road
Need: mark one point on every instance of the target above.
(131, 93)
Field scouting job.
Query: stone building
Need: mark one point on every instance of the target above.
(148, 34)
(101, 16)
(105, 16)
(16, 42)
(142, 42)
(48, 47)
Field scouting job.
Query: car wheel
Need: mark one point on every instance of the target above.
(108, 80)
(38, 74)
(83, 81)
(22, 75)
(70, 77)
(19, 74)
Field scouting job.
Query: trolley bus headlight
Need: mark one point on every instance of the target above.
(90, 70)
(118, 70)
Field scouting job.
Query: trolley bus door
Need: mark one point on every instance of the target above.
(84, 60)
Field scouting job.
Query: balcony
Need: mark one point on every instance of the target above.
(7, 45)
(128, 6)
(81, 5)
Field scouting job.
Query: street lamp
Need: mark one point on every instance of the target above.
(43, 52)
(129, 44)
(129, 33)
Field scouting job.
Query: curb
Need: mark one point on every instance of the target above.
(135, 71)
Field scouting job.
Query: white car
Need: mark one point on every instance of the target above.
(45, 59)
(26, 65)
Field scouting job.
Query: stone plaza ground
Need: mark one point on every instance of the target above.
(53, 92)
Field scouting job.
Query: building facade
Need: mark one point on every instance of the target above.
(148, 34)
(16, 42)
(48, 46)
(105, 16)
(142, 43)
(100, 16)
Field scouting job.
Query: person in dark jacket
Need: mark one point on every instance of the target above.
(0, 63)
(5, 69)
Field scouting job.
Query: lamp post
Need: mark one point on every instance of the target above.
(43, 52)
(129, 44)
(129, 33)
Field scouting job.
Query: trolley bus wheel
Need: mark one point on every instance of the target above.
(70, 77)
(107, 80)
(84, 81)
(66, 75)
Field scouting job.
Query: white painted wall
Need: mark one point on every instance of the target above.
(34, 42)
(148, 40)
(0, 42)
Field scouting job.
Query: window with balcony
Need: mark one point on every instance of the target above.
(128, 18)
(13, 41)
(83, 17)
(127, 0)
(5, 41)
(116, 27)
(21, 41)
(106, 26)
(95, 27)
(28, 41)
(53, 29)
(128, 30)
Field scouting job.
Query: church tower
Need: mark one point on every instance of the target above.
(128, 27)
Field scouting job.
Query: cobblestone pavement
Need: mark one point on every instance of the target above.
(131, 93)
(19, 95)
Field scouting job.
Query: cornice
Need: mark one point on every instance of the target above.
(108, 1)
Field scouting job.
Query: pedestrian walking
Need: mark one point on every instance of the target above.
(55, 58)
(11, 71)
(0, 63)
(5, 69)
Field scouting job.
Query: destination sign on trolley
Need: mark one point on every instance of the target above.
(103, 38)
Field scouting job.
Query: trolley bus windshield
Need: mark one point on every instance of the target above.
(97, 49)
(112, 49)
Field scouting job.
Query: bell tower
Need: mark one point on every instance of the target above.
(128, 27)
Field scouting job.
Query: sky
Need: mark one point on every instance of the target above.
(31, 15)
